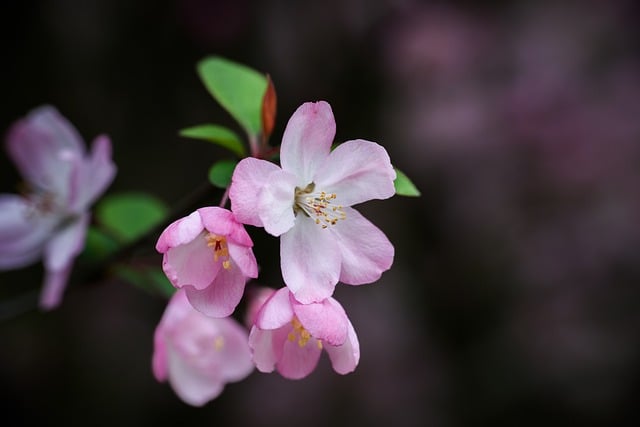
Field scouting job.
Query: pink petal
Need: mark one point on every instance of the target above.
(297, 362)
(256, 296)
(307, 139)
(275, 203)
(189, 383)
(221, 297)
(264, 352)
(324, 320)
(276, 311)
(191, 264)
(41, 145)
(366, 251)
(93, 175)
(345, 358)
(55, 282)
(247, 181)
(66, 244)
(310, 260)
(23, 232)
(234, 359)
(180, 232)
(244, 259)
(223, 223)
(357, 171)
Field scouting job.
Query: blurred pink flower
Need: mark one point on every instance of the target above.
(209, 254)
(198, 354)
(307, 202)
(289, 336)
(62, 181)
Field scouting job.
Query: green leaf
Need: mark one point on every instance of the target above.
(148, 278)
(128, 216)
(98, 245)
(238, 88)
(220, 173)
(404, 186)
(219, 135)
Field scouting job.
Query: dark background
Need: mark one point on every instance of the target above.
(514, 297)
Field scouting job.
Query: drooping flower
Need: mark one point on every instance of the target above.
(209, 254)
(198, 354)
(307, 203)
(62, 180)
(289, 336)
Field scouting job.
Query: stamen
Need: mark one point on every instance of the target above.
(220, 249)
(318, 205)
(300, 334)
(218, 343)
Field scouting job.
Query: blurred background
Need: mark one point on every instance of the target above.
(514, 297)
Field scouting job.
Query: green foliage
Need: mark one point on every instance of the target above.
(128, 216)
(238, 88)
(219, 135)
(404, 186)
(98, 245)
(220, 173)
(151, 279)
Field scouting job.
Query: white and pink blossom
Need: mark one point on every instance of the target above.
(307, 202)
(289, 336)
(208, 254)
(62, 180)
(199, 354)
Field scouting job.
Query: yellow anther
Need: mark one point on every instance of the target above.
(299, 333)
(220, 249)
(318, 206)
(218, 343)
(319, 344)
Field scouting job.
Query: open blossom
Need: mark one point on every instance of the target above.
(289, 336)
(198, 354)
(209, 254)
(307, 202)
(62, 180)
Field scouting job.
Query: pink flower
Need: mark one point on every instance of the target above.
(62, 181)
(289, 336)
(307, 202)
(198, 354)
(208, 253)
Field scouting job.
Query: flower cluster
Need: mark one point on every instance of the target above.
(62, 181)
(306, 202)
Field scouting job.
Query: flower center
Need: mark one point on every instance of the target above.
(300, 334)
(318, 206)
(220, 249)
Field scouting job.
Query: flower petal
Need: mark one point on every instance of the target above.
(23, 232)
(325, 320)
(307, 139)
(263, 351)
(191, 264)
(310, 260)
(223, 223)
(55, 282)
(92, 175)
(275, 203)
(276, 311)
(357, 171)
(366, 252)
(41, 145)
(221, 297)
(298, 361)
(244, 259)
(66, 243)
(180, 232)
(247, 181)
(234, 358)
(189, 383)
(345, 358)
